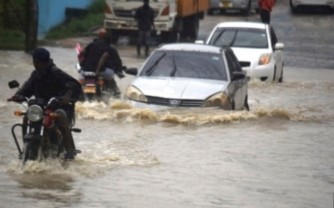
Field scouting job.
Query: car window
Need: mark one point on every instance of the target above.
(239, 37)
(185, 64)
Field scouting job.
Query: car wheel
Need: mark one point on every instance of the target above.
(246, 105)
(274, 76)
(232, 105)
(280, 80)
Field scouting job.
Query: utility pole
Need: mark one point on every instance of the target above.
(31, 25)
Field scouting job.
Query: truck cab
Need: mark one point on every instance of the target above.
(172, 18)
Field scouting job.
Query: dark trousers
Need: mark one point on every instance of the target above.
(143, 40)
(64, 126)
(265, 16)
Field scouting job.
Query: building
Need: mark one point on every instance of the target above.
(53, 12)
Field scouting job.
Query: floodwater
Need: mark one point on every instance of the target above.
(279, 154)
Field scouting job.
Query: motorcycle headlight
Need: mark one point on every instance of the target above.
(134, 94)
(217, 100)
(35, 113)
(264, 59)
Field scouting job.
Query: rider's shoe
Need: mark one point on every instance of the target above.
(70, 155)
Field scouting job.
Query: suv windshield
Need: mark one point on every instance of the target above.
(239, 37)
(185, 64)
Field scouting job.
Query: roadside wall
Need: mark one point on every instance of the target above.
(52, 13)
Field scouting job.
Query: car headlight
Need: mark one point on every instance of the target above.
(35, 113)
(217, 100)
(265, 59)
(133, 93)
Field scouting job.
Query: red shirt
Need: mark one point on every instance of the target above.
(267, 4)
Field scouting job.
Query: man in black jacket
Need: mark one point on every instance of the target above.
(48, 81)
(103, 59)
(145, 19)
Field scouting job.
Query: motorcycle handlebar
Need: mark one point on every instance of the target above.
(17, 99)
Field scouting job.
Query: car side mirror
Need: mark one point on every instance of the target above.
(236, 75)
(279, 46)
(13, 84)
(131, 71)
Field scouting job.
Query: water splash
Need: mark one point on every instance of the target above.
(119, 111)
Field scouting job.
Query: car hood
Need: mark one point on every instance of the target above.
(249, 54)
(179, 88)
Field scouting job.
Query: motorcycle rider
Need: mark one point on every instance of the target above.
(103, 59)
(47, 81)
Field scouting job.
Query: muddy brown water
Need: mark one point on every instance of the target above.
(279, 154)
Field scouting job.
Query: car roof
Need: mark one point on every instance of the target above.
(256, 25)
(190, 47)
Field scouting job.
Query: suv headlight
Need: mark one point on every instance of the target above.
(132, 93)
(35, 113)
(217, 100)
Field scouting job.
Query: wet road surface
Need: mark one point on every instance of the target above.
(279, 154)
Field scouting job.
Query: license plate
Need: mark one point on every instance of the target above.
(89, 89)
(225, 4)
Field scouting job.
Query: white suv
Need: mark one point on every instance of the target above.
(296, 4)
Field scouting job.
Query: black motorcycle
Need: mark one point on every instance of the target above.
(41, 138)
(96, 88)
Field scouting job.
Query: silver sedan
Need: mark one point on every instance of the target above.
(190, 75)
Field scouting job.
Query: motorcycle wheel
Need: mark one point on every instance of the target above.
(90, 97)
(30, 152)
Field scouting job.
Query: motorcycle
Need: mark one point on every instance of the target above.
(40, 135)
(94, 86)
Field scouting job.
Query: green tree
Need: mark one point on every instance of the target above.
(31, 25)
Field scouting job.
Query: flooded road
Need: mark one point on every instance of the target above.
(279, 154)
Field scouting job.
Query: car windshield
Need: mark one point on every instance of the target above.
(185, 64)
(239, 37)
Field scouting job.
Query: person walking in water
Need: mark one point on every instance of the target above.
(265, 10)
(145, 18)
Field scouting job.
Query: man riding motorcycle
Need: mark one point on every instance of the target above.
(48, 81)
(103, 59)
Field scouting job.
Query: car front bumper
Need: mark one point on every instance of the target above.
(263, 72)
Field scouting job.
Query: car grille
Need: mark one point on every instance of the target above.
(244, 63)
(123, 13)
(129, 13)
(174, 102)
